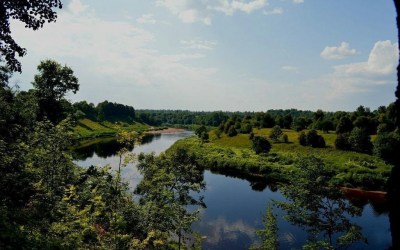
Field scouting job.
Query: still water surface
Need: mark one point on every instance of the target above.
(234, 210)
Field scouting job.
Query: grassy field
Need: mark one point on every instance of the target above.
(86, 128)
(352, 169)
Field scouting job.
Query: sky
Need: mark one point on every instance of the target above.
(230, 55)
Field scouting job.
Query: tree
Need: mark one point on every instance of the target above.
(303, 138)
(33, 13)
(386, 147)
(275, 133)
(51, 85)
(360, 141)
(202, 133)
(261, 145)
(169, 181)
(342, 142)
(315, 140)
(316, 205)
(344, 125)
(269, 235)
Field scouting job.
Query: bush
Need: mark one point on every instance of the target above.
(303, 138)
(232, 131)
(312, 138)
(360, 141)
(342, 142)
(387, 147)
(261, 145)
(276, 133)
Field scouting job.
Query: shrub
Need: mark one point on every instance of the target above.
(342, 142)
(303, 138)
(232, 131)
(275, 133)
(387, 147)
(261, 145)
(360, 141)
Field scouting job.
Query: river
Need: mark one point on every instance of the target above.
(234, 209)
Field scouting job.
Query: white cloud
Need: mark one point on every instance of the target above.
(340, 52)
(191, 11)
(146, 19)
(230, 7)
(76, 7)
(111, 49)
(275, 11)
(298, 1)
(188, 11)
(382, 61)
(379, 69)
(199, 44)
(289, 68)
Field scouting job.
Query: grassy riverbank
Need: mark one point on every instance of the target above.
(87, 128)
(234, 155)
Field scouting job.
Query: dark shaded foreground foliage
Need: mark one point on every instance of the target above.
(48, 202)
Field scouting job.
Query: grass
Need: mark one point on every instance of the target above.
(87, 128)
(352, 169)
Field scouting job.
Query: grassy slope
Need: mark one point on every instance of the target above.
(352, 169)
(86, 128)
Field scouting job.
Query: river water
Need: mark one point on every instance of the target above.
(234, 208)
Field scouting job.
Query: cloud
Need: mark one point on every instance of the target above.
(336, 53)
(298, 1)
(146, 19)
(382, 62)
(188, 11)
(289, 68)
(191, 11)
(199, 44)
(275, 11)
(230, 7)
(379, 69)
(221, 229)
(76, 7)
(115, 50)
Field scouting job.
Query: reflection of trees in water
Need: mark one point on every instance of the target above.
(320, 208)
(107, 147)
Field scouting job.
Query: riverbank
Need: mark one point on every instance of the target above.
(165, 131)
(233, 155)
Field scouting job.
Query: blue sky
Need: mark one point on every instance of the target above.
(245, 55)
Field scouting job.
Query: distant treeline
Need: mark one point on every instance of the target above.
(381, 119)
(104, 111)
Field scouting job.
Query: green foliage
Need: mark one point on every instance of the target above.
(269, 235)
(344, 125)
(33, 14)
(387, 147)
(52, 83)
(312, 138)
(303, 139)
(261, 145)
(202, 133)
(360, 141)
(342, 142)
(319, 207)
(231, 131)
(168, 183)
(276, 133)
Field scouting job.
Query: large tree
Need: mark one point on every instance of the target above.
(52, 83)
(33, 13)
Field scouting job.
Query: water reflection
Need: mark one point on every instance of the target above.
(106, 147)
(234, 210)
